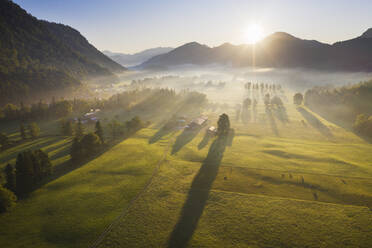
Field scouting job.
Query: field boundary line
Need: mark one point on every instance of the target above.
(125, 211)
(287, 171)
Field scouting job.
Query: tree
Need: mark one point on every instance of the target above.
(276, 101)
(42, 165)
(67, 128)
(62, 108)
(34, 130)
(115, 127)
(298, 99)
(363, 125)
(10, 111)
(7, 199)
(24, 173)
(267, 99)
(91, 144)
(79, 130)
(134, 124)
(76, 150)
(223, 125)
(99, 131)
(4, 141)
(22, 130)
(10, 177)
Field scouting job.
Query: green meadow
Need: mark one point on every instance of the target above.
(296, 186)
(295, 182)
(74, 209)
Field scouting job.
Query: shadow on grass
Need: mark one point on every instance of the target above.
(63, 151)
(198, 195)
(246, 115)
(159, 134)
(185, 137)
(329, 116)
(281, 113)
(70, 165)
(315, 122)
(33, 144)
(255, 114)
(207, 137)
(272, 121)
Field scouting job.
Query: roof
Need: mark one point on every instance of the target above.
(200, 120)
(212, 129)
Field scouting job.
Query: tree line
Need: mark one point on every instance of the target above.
(30, 169)
(347, 105)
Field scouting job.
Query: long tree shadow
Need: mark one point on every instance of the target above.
(315, 122)
(272, 121)
(329, 116)
(281, 113)
(207, 137)
(159, 134)
(198, 195)
(185, 137)
(70, 165)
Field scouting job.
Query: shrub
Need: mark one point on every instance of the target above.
(7, 199)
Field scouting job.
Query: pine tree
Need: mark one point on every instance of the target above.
(24, 173)
(223, 127)
(99, 131)
(41, 164)
(10, 177)
(23, 131)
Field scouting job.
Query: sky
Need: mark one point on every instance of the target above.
(132, 26)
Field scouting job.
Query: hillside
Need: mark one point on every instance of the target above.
(136, 58)
(279, 50)
(38, 56)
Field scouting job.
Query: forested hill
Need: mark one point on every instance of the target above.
(37, 56)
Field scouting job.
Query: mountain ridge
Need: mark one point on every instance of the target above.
(136, 58)
(278, 50)
(37, 56)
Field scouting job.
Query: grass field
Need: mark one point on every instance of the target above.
(296, 187)
(297, 181)
(72, 210)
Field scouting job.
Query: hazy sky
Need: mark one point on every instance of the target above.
(131, 26)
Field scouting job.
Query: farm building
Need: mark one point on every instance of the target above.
(89, 117)
(212, 130)
(198, 122)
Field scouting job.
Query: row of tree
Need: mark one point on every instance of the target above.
(31, 168)
(88, 145)
(341, 104)
(32, 131)
(137, 98)
(262, 86)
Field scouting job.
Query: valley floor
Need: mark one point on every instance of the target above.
(278, 182)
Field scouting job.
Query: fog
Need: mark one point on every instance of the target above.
(225, 84)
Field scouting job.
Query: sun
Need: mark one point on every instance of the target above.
(253, 34)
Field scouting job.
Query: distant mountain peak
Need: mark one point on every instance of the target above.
(367, 34)
(192, 44)
(281, 35)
